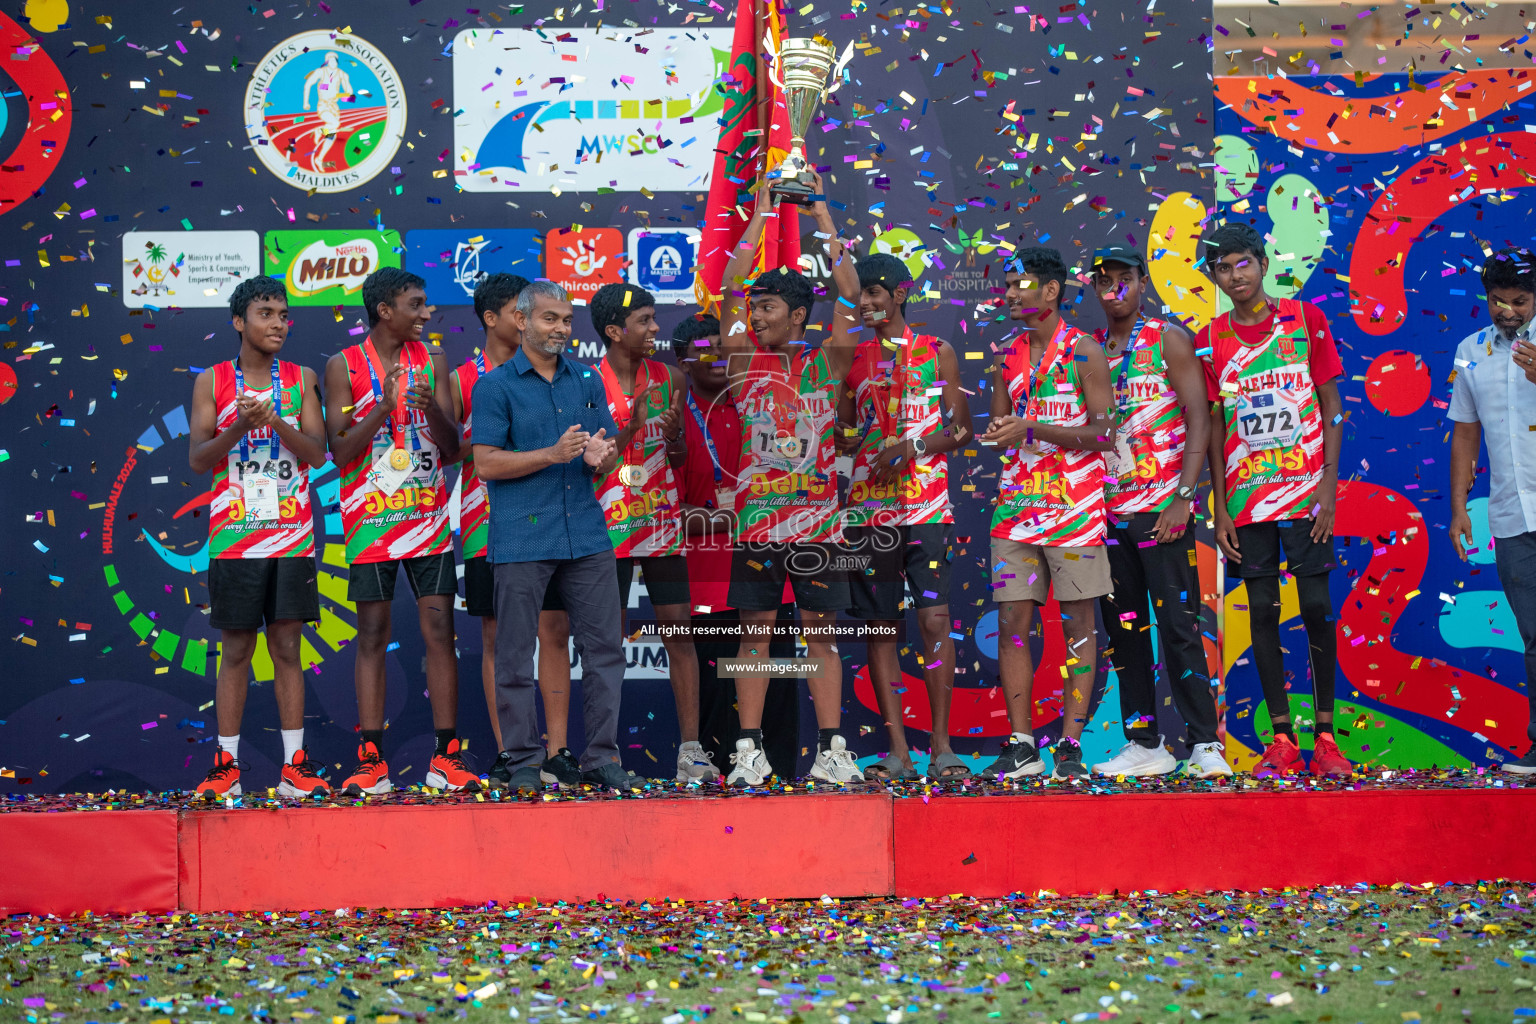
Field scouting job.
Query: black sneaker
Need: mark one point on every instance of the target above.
(500, 775)
(1068, 755)
(1525, 766)
(611, 776)
(1016, 760)
(527, 779)
(562, 769)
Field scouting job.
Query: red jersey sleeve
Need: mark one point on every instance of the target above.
(1324, 361)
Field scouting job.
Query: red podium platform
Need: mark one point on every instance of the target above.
(457, 852)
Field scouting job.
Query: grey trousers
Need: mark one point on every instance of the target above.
(589, 588)
(1515, 558)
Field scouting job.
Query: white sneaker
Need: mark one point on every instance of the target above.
(836, 764)
(693, 765)
(751, 765)
(1206, 760)
(1135, 759)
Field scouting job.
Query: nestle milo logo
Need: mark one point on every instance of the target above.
(327, 268)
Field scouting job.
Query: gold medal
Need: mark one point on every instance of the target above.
(632, 476)
(790, 446)
(399, 459)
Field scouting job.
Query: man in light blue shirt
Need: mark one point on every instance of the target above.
(1493, 398)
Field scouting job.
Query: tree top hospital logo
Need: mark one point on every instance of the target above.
(325, 111)
(645, 118)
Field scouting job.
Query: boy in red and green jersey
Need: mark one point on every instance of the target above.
(902, 411)
(1050, 419)
(256, 424)
(1161, 433)
(640, 498)
(389, 415)
(1276, 428)
(787, 507)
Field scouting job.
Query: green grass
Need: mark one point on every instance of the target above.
(1452, 953)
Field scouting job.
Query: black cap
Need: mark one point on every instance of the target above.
(1129, 255)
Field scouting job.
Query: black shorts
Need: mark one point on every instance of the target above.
(479, 587)
(1260, 545)
(245, 593)
(899, 558)
(815, 571)
(429, 575)
(666, 579)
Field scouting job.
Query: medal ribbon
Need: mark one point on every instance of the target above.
(1030, 403)
(277, 407)
(1122, 384)
(617, 399)
(399, 416)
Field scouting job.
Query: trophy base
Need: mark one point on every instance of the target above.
(793, 190)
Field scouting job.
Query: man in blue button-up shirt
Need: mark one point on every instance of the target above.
(541, 431)
(1493, 399)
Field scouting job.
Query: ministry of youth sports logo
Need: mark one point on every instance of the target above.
(325, 111)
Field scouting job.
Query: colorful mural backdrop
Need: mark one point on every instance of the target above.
(1381, 197)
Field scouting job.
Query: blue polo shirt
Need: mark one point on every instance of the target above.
(552, 514)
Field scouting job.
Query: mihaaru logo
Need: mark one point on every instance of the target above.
(327, 268)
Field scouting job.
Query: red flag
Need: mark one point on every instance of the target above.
(754, 138)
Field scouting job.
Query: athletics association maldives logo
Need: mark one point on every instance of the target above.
(325, 111)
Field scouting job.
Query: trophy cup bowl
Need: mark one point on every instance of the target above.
(804, 66)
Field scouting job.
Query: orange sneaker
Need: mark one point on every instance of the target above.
(449, 772)
(371, 776)
(300, 779)
(1327, 759)
(1281, 758)
(222, 780)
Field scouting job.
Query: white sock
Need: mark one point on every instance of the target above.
(293, 739)
(1020, 737)
(230, 745)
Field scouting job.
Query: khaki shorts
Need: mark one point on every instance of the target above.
(1025, 572)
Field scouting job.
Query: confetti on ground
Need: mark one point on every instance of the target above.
(1400, 953)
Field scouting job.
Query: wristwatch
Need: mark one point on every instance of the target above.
(1186, 492)
(918, 446)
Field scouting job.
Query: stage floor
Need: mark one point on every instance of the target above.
(166, 852)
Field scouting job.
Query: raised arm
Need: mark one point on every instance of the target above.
(846, 323)
(735, 304)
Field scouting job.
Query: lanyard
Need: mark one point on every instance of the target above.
(616, 397)
(395, 423)
(895, 384)
(1030, 403)
(1122, 392)
(277, 407)
(709, 442)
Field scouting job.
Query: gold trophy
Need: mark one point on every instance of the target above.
(801, 71)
